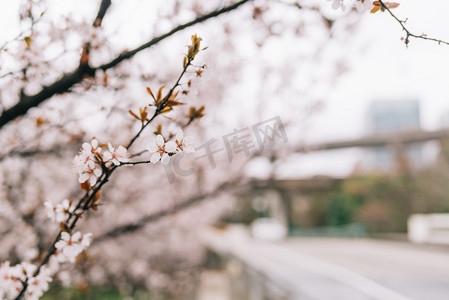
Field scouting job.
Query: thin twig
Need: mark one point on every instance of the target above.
(407, 32)
(143, 221)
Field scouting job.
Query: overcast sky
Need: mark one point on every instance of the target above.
(388, 70)
(385, 70)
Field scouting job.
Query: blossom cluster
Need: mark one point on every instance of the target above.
(90, 161)
(361, 5)
(71, 245)
(161, 150)
(59, 212)
(89, 164)
(11, 278)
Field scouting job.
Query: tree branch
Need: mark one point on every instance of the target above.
(131, 53)
(145, 220)
(58, 87)
(407, 32)
(101, 12)
(67, 81)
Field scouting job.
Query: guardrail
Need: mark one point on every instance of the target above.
(428, 228)
(250, 277)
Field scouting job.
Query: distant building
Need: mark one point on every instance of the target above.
(392, 117)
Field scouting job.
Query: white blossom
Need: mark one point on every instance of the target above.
(11, 278)
(362, 5)
(51, 210)
(59, 212)
(90, 173)
(39, 284)
(184, 144)
(92, 147)
(86, 240)
(63, 210)
(86, 163)
(160, 150)
(72, 245)
(116, 155)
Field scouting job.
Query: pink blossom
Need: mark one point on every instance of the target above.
(72, 245)
(116, 155)
(184, 144)
(160, 150)
(90, 173)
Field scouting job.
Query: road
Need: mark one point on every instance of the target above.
(359, 269)
(342, 269)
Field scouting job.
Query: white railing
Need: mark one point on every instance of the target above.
(428, 228)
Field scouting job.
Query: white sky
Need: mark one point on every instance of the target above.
(388, 70)
(385, 70)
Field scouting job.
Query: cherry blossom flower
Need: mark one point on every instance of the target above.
(184, 144)
(59, 212)
(11, 278)
(91, 173)
(86, 164)
(51, 210)
(160, 150)
(362, 5)
(79, 163)
(63, 210)
(87, 153)
(72, 245)
(92, 147)
(68, 245)
(86, 240)
(39, 284)
(116, 155)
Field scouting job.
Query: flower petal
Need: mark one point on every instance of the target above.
(83, 178)
(107, 155)
(155, 157)
(165, 159)
(152, 147)
(179, 135)
(170, 147)
(65, 236)
(76, 236)
(110, 147)
(159, 140)
(92, 180)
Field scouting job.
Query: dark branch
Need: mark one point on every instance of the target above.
(131, 53)
(62, 85)
(19, 152)
(145, 220)
(101, 12)
(67, 81)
